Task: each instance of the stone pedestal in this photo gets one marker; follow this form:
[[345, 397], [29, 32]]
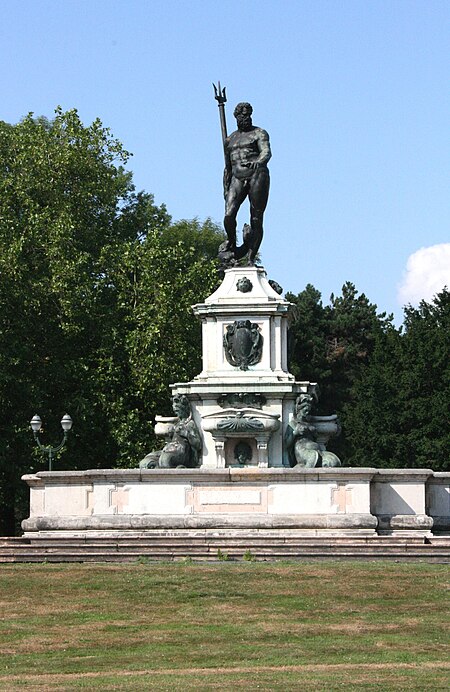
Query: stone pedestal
[[245, 392], [315, 502], [398, 499], [311, 502], [437, 501]]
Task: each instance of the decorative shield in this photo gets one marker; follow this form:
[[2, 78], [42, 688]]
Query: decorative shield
[[243, 344]]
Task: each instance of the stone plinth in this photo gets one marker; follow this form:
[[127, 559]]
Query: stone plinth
[[244, 297], [398, 499], [260, 305], [438, 501], [340, 502]]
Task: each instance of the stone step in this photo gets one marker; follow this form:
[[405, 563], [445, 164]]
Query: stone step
[[166, 547], [197, 550], [149, 539], [145, 543], [72, 549], [212, 557], [440, 540]]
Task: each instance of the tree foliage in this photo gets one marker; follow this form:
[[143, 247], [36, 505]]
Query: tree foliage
[[390, 387], [95, 288], [425, 384]]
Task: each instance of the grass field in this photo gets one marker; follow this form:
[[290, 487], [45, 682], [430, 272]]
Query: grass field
[[244, 626]]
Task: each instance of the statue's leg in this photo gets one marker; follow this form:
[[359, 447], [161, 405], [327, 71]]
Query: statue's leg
[[236, 195], [305, 455], [258, 195], [330, 460], [150, 461]]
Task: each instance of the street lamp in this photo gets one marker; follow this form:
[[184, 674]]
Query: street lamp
[[36, 425]]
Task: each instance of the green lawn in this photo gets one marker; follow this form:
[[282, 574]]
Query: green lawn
[[247, 626]]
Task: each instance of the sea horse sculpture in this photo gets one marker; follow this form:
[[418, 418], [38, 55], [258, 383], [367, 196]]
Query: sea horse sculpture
[[301, 438], [185, 444]]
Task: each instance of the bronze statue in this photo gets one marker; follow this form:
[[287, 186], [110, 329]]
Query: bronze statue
[[247, 152], [185, 444], [303, 448]]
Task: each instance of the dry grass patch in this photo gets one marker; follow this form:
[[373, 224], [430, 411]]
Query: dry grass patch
[[309, 677], [223, 626]]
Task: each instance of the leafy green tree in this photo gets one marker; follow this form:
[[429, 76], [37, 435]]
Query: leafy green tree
[[399, 412], [373, 429], [308, 333], [332, 342], [159, 279], [353, 327], [333, 345], [82, 257], [60, 197], [424, 404]]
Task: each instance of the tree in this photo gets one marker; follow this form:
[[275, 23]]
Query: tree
[[333, 344], [60, 196], [372, 426], [159, 279], [81, 259], [308, 336], [424, 412], [399, 413]]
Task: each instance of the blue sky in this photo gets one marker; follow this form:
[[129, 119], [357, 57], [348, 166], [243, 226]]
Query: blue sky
[[354, 94]]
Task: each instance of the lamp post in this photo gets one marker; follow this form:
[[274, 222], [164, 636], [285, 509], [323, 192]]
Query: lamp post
[[36, 425]]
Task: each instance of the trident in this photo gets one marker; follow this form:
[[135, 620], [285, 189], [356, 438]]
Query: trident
[[221, 98]]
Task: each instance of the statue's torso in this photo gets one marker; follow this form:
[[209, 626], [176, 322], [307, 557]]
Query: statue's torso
[[243, 149]]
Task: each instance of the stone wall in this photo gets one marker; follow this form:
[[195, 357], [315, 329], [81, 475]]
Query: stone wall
[[342, 501]]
